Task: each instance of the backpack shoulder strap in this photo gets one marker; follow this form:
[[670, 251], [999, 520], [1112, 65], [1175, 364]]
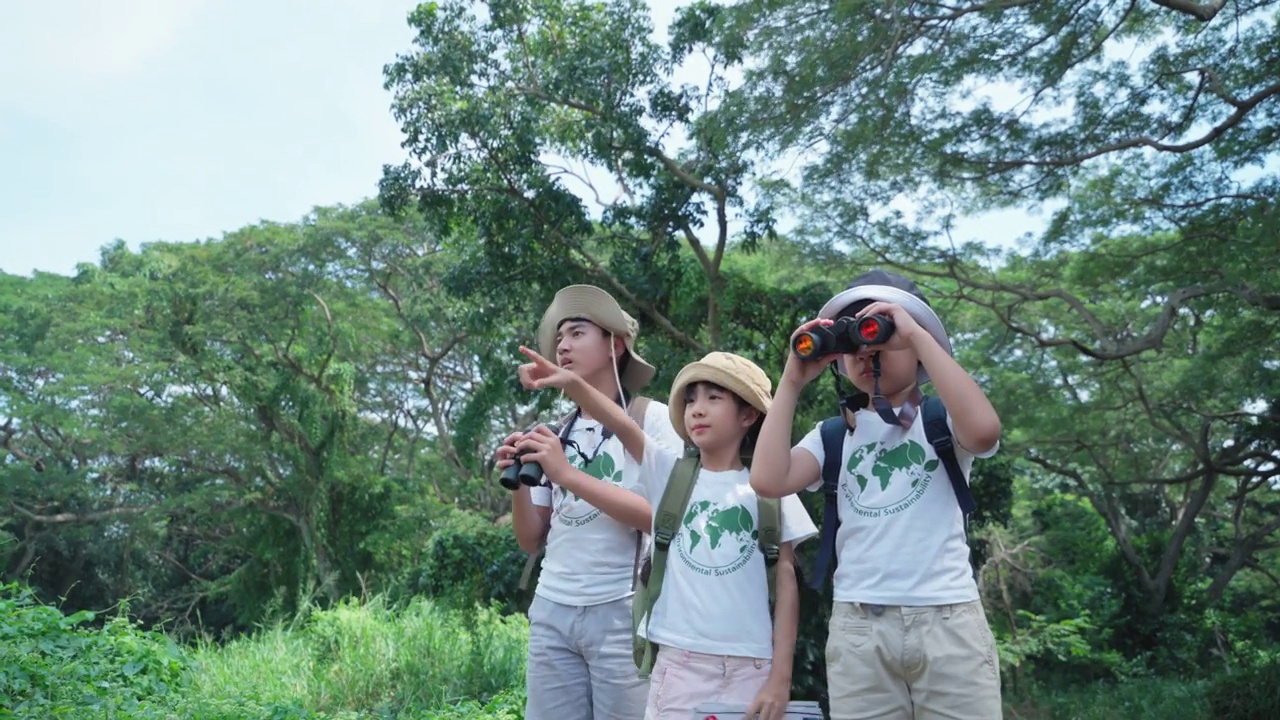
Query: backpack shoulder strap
[[939, 436], [832, 430], [637, 408], [666, 521], [770, 512]]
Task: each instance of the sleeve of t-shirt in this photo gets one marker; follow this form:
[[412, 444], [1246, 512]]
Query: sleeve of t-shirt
[[657, 425], [662, 447], [797, 526], [812, 444], [655, 469], [540, 496]]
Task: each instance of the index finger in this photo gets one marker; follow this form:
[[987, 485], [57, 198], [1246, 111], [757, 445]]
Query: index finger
[[536, 357]]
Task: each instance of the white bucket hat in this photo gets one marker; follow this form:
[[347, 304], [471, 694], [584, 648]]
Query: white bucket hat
[[893, 288]]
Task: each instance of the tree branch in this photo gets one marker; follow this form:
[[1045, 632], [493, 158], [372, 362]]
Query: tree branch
[[67, 517]]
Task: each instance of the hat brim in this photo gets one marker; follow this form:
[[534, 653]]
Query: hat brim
[[704, 372], [917, 308], [588, 302]]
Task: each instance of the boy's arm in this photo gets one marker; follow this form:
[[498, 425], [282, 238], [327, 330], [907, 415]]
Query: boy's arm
[[530, 522], [777, 469], [619, 503], [973, 419], [771, 701]]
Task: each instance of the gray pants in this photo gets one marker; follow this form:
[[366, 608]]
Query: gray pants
[[580, 663]]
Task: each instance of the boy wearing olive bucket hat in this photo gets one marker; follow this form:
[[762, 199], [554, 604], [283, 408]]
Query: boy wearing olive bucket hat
[[589, 517], [908, 635], [711, 615]]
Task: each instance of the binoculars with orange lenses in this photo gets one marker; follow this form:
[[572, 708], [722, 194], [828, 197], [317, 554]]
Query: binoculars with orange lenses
[[846, 335]]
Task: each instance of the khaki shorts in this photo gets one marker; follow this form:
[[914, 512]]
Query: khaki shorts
[[912, 663]]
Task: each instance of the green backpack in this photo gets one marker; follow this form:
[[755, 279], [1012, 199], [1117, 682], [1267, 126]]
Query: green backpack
[[671, 509]]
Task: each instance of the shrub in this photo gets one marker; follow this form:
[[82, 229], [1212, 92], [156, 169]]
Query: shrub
[[56, 666], [470, 561], [1251, 693]]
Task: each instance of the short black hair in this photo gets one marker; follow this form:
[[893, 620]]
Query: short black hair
[[853, 308]]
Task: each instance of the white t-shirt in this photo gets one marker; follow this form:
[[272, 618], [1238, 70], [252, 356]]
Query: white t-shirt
[[715, 591], [590, 557], [901, 539]]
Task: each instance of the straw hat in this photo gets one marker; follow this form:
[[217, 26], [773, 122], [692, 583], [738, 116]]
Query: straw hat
[[732, 372]]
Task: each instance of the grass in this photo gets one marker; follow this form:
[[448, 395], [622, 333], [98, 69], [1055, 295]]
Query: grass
[[363, 661], [369, 661], [1140, 699]]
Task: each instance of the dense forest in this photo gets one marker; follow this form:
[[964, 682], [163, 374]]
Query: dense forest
[[296, 420]]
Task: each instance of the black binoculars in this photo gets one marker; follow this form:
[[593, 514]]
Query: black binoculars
[[527, 473], [847, 335]]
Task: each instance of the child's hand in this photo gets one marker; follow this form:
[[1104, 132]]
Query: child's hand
[[799, 370], [542, 373], [506, 452], [905, 327], [544, 448], [771, 702]]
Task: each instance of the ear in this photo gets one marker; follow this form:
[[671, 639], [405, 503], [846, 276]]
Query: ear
[[619, 346], [748, 416]]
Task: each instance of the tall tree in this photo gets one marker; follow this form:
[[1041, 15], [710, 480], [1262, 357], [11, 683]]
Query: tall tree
[[515, 110]]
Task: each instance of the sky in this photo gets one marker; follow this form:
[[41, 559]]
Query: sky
[[180, 120], [183, 119]]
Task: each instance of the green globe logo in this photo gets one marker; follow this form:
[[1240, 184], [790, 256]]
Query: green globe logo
[[714, 537]]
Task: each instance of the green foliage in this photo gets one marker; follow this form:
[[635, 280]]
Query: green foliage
[[1249, 693], [507, 705], [1137, 699], [363, 660], [470, 561], [58, 666]]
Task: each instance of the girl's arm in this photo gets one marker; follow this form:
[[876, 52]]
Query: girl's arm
[[771, 701], [542, 373]]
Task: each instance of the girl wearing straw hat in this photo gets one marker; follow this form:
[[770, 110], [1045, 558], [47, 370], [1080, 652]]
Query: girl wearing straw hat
[[712, 619]]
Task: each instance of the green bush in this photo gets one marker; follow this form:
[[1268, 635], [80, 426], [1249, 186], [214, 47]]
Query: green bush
[[470, 561], [1251, 693], [56, 666]]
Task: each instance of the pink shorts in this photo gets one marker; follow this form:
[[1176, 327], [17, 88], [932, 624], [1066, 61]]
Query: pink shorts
[[682, 679]]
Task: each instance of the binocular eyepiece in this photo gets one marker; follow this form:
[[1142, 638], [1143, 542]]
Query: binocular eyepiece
[[847, 335], [527, 473]]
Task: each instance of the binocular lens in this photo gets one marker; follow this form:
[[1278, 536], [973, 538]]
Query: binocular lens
[[805, 345]]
